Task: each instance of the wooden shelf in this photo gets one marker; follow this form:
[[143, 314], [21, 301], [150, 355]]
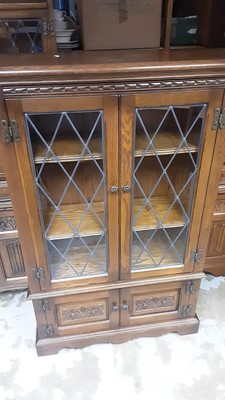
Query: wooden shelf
[[69, 149], [147, 220], [23, 5], [77, 257], [166, 143], [90, 225], [157, 249]]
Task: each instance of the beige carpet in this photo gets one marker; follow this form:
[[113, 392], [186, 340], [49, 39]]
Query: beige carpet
[[170, 367]]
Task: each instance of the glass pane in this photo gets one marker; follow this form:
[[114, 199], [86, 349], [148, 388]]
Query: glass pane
[[20, 36], [68, 153], [167, 145]]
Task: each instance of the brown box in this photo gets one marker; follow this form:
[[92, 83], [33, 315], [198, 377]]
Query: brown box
[[119, 24]]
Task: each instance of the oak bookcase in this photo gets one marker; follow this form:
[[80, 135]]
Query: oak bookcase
[[113, 161]]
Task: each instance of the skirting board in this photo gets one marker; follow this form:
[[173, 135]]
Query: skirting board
[[52, 345]]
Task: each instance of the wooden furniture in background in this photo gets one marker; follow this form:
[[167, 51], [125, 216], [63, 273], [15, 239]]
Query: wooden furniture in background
[[26, 27], [215, 257], [12, 270]]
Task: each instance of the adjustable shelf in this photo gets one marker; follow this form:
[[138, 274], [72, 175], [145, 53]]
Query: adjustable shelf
[[157, 253], [166, 143], [78, 261], [91, 225], [67, 149], [73, 213], [146, 220]]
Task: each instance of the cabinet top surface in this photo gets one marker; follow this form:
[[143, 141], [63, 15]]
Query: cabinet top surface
[[113, 64]]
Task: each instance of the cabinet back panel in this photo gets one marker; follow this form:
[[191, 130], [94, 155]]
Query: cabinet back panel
[[149, 173], [87, 178]]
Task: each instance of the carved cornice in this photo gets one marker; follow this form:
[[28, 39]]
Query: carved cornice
[[113, 87], [7, 224]]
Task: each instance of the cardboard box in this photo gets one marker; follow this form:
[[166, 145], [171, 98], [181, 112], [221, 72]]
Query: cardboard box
[[184, 30], [119, 24]]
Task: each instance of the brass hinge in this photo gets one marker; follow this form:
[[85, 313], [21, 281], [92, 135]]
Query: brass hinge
[[187, 310], [44, 305], [48, 27], [10, 131], [47, 330], [218, 119], [222, 119], [38, 274], [195, 256], [190, 287]]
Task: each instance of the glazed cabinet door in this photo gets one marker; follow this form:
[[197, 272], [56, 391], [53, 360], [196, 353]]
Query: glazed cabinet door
[[68, 162], [26, 27], [167, 143]]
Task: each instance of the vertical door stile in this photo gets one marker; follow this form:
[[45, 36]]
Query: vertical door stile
[[30, 233], [197, 230], [215, 174], [11, 171], [126, 168], [114, 310], [111, 167]]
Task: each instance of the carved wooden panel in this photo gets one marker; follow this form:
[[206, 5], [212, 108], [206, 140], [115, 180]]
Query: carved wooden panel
[[76, 313], [5, 205], [155, 302], [2, 271], [5, 201], [1, 171], [219, 207], [4, 191], [7, 224], [217, 240], [12, 258], [222, 181]]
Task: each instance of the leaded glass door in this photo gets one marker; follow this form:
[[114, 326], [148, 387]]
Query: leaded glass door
[[28, 32], [164, 185], [70, 143], [21, 35]]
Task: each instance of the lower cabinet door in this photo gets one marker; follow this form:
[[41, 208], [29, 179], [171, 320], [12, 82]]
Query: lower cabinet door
[[158, 303], [84, 313]]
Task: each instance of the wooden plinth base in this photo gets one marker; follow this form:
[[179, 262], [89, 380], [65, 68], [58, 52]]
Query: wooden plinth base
[[215, 270], [52, 345]]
